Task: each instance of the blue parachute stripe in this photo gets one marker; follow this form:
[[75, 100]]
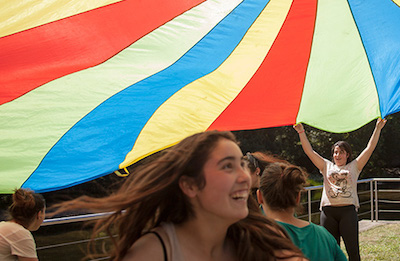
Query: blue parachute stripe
[[99, 142], [379, 26]]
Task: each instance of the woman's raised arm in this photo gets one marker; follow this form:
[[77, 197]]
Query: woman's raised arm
[[316, 159], [364, 156]]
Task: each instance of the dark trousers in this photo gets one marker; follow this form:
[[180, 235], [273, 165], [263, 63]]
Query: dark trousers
[[343, 221]]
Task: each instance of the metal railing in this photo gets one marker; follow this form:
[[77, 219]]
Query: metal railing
[[73, 219], [373, 200], [391, 201], [370, 194]]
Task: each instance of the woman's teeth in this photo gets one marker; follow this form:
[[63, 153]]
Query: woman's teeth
[[242, 195]]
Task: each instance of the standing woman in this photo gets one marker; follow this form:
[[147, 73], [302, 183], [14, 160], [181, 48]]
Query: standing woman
[[27, 214], [339, 202], [189, 204]]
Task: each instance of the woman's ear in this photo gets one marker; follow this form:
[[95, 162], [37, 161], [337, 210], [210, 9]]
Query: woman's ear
[[259, 197], [188, 186], [41, 214], [258, 170]]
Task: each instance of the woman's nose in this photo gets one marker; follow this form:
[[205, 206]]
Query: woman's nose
[[244, 175]]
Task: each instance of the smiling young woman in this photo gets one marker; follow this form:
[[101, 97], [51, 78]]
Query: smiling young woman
[[339, 202], [189, 204]]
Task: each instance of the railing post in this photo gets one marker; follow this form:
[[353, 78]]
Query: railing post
[[371, 199], [309, 204], [376, 201]]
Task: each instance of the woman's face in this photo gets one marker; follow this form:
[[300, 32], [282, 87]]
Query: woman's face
[[227, 184], [340, 156]]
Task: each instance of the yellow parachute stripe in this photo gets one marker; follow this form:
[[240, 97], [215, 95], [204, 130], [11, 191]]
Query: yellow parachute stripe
[[197, 105], [17, 16], [89, 88]]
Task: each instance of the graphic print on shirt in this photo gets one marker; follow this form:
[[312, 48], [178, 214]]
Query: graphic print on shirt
[[340, 184]]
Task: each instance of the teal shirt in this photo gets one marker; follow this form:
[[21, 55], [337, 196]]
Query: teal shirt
[[315, 242]]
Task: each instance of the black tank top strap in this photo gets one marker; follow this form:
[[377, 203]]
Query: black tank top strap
[[162, 243]]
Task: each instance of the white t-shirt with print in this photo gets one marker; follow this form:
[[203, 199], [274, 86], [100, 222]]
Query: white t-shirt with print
[[340, 184]]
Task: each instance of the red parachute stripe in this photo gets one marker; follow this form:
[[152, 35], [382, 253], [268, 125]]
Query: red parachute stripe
[[41, 54], [280, 78]]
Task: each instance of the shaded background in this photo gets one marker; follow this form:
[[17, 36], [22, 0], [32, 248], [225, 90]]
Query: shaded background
[[281, 141]]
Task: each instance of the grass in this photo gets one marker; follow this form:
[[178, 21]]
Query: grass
[[380, 243]]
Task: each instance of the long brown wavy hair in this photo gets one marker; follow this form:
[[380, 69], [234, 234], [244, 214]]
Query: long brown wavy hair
[[151, 195]]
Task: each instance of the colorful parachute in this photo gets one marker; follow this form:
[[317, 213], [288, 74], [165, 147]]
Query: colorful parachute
[[90, 87]]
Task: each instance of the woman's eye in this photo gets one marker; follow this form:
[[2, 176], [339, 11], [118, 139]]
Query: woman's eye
[[227, 166]]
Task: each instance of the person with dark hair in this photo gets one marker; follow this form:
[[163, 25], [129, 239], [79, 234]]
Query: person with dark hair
[[280, 190], [257, 161], [27, 214], [190, 203], [339, 201]]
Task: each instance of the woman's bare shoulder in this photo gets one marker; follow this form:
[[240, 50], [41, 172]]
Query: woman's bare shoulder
[[148, 247]]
